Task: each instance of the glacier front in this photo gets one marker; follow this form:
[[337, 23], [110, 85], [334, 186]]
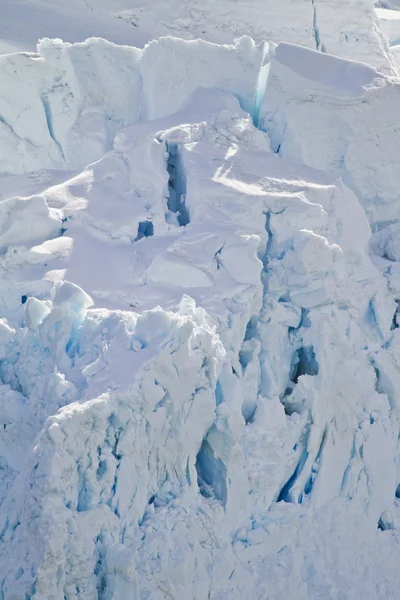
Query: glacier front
[[199, 353]]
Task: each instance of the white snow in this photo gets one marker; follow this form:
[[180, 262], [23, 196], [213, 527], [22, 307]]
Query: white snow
[[339, 116], [346, 28], [199, 334]]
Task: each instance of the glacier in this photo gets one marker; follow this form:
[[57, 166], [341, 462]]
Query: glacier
[[199, 328]]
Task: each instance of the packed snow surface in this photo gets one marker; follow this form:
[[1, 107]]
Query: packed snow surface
[[199, 309], [347, 28]]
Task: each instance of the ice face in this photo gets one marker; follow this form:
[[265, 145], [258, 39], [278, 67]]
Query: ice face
[[199, 359]]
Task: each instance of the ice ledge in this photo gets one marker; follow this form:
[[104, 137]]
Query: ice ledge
[[341, 75]]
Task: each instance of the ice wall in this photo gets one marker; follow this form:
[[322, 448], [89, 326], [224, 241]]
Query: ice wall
[[241, 440], [67, 103], [190, 452], [73, 99]]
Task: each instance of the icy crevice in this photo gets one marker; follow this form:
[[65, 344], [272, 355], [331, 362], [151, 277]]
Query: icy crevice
[[261, 89], [100, 570], [266, 257], [49, 121], [253, 335], [176, 185], [145, 229], [211, 473], [84, 494], [385, 522], [304, 363], [396, 315], [300, 484], [286, 494], [316, 32]]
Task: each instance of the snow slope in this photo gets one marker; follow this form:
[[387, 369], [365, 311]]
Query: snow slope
[[199, 346]]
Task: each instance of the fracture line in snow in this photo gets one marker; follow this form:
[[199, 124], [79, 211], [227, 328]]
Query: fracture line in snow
[[318, 44], [49, 121]]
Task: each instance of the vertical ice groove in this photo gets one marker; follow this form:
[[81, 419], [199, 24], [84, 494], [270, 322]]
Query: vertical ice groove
[[316, 32], [177, 184], [211, 473], [261, 89], [49, 121], [145, 229]]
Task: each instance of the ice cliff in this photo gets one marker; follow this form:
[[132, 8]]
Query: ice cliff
[[199, 353]]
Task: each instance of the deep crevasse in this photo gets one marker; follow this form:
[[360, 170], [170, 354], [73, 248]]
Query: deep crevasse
[[242, 440]]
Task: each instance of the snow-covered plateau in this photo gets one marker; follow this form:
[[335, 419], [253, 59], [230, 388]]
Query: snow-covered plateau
[[199, 300]]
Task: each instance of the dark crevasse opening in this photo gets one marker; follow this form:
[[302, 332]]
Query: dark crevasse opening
[[211, 474], [316, 33], [145, 229], [248, 354], [316, 466], [396, 316], [304, 363], [398, 492], [177, 185], [249, 412], [251, 328], [385, 521], [285, 493], [100, 571]]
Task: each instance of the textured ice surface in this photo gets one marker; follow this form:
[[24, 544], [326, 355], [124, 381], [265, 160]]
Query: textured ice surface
[[68, 103], [339, 116], [199, 355]]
